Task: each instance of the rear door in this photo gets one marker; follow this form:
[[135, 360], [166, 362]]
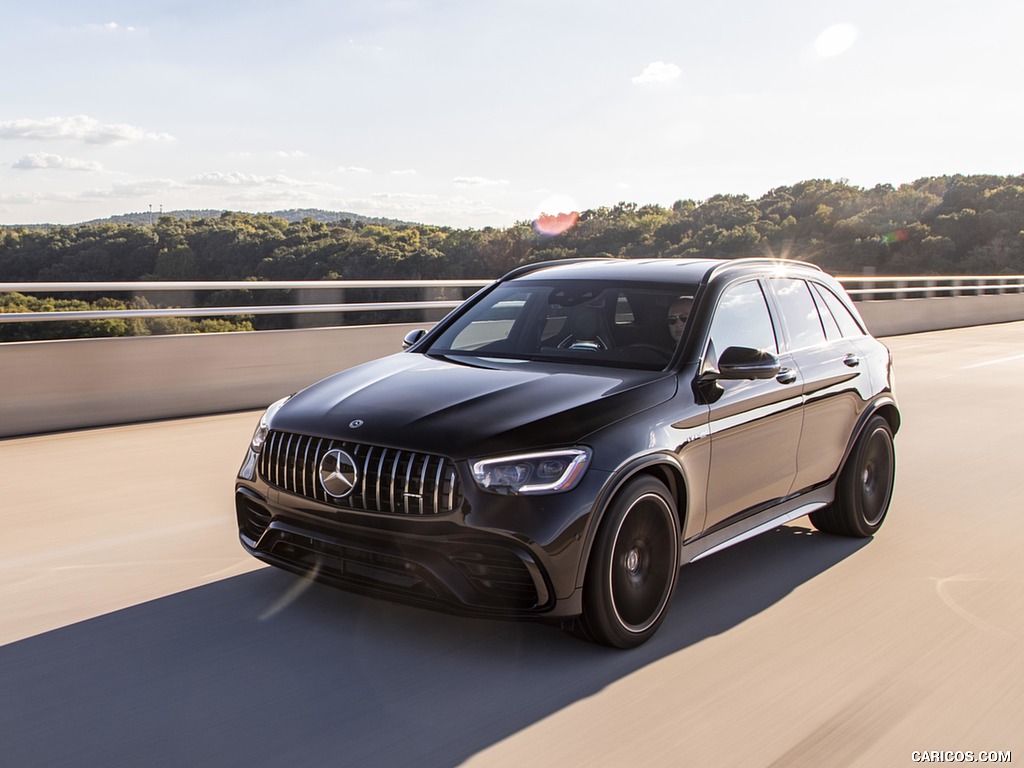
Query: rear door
[[833, 372]]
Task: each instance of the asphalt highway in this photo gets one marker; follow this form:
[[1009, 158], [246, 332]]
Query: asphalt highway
[[135, 632]]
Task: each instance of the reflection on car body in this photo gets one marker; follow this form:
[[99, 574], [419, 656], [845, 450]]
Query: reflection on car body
[[549, 451]]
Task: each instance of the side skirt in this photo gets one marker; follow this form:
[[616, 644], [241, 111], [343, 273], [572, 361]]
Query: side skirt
[[757, 524]]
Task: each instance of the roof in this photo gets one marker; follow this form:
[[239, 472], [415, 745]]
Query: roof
[[651, 270]]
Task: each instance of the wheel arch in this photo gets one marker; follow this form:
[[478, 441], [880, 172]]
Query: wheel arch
[[882, 406], [888, 410], [662, 467]]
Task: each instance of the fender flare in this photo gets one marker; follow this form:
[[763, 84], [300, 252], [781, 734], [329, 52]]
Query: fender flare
[[677, 487], [884, 405]]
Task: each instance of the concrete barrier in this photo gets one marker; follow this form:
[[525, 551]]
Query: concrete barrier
[[48, 386], [898, 317]]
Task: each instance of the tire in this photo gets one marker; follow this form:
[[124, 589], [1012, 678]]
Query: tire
[[865, 485], [633, 567]]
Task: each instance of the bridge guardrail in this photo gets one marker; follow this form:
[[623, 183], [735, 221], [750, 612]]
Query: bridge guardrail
[[50, 386], [860, 288]]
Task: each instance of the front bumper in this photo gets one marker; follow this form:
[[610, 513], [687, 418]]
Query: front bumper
[[494, 556]]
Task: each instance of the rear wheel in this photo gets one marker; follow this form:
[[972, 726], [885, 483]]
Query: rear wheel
[[632, 571], [865, 485]]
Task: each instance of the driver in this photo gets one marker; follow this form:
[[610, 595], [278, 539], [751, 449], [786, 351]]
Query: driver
[[677, 316]]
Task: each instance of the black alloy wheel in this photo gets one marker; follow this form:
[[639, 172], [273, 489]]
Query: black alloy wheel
[[865, 485], [633, 567]]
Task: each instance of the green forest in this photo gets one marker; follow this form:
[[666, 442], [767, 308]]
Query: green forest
[[936, 225]]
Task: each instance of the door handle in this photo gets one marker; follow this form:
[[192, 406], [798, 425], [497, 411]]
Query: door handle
[[851, 361], [786, 376]]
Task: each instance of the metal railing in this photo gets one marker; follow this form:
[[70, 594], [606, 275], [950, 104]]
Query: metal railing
[[140, 288], [860, 288], [893, 287]]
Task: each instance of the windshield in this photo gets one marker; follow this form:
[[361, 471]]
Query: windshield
[[589, 322]]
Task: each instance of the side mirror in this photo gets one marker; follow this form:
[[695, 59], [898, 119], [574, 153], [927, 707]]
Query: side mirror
[[412, 337], [745, 363]]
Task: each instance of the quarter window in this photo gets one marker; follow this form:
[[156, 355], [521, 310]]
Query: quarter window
[[847, 322], [832, 332]]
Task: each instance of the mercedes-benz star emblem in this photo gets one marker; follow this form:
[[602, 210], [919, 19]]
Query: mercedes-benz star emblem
[[338, 473]]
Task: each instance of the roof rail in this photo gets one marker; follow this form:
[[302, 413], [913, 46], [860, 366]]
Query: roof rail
[[525, 269], [760, 261]]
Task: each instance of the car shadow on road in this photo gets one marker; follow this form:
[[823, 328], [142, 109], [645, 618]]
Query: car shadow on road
[[267, 670]]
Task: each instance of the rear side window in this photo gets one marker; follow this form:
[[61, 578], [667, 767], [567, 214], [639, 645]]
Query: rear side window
[[799, 312], [847, 323], [832, 332]]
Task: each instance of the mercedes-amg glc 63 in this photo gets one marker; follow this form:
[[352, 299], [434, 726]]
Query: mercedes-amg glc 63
[[564, 441]]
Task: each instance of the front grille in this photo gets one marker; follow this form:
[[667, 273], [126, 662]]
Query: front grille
[[390, 481]]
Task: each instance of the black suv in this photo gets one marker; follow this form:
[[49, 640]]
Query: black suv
[[559, 445]]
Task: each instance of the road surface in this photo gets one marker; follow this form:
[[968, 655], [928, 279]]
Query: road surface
[[135, 632]]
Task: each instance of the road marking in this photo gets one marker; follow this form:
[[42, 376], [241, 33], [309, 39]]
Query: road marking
[[995, 361]]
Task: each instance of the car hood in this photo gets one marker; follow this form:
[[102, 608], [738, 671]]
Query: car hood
[[440, 406]]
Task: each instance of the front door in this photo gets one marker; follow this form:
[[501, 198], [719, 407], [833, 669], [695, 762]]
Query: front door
[[755, 424]]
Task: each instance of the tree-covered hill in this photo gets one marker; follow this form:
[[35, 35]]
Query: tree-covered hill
[[938, 225], [143, 218]]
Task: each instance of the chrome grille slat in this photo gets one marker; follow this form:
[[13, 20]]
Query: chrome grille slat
[[402, 485], [293, 457], [380, 476], [408, 481], [394, 472], [305, 466], [423, 485], [277, 464], [437, 485], [366, 473], [318, 492]]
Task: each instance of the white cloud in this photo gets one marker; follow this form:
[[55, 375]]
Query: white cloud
[[406, 172], [78, 128], [44, 160], [354, 169], [111, 27], [835, 40], [423, 207], [479, 181], [21, 198], [293, 153], [235, 179], [658, 73], [138, 188]]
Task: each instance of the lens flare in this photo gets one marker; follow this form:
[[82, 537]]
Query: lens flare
[[555, 224], [895, 237]]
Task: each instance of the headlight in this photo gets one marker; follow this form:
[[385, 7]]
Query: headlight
[[259, 437], [525, 473]]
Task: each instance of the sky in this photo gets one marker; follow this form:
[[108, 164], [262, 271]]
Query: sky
[[475, 113]]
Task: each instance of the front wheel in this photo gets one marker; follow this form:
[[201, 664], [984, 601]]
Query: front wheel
[[865, 485], [632, 571]]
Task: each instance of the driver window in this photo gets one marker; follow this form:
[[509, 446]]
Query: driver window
[[742, 320]]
